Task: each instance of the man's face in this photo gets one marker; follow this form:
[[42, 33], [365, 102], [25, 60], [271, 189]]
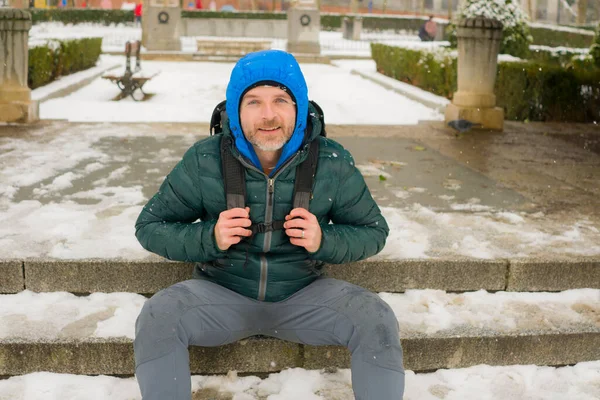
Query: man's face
[[268, 116]]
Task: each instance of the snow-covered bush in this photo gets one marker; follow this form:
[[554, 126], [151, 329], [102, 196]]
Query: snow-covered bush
[[515, 39]]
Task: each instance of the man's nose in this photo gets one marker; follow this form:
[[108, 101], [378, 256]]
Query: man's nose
[[268, 111]]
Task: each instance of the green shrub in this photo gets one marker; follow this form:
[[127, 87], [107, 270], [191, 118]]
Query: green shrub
[[561, 56], [331, 22], [78, 16], [233, 15], [76, 55], [41, 65], [548, 93], [431, 71], [61, 57], [555, 38], [527, 91]]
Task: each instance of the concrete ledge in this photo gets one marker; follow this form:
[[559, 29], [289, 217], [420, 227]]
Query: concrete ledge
[[147, 277], [534, 275], [449, 275], [11, 276], [256, 355], [89, 276], [412, 92], [75, 86], [426, 354]]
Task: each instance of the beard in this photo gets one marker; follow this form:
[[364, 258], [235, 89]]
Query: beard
[[270, 141]]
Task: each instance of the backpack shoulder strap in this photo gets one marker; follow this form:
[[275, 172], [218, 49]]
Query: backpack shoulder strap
[[305, 176], [233, 176]]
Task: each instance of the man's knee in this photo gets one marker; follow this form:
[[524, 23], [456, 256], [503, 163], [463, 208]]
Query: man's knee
[[376, 330], [156, 328]]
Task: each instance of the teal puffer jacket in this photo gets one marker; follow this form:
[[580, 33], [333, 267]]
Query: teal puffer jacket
[[178, 222]]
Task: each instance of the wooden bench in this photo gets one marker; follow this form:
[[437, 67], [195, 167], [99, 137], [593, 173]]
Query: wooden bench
[[132, 82], [231, 47]]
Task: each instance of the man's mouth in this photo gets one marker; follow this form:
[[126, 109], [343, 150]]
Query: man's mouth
[[268, 129]]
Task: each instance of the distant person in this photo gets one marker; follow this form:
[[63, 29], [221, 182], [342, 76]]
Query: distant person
[[137, 12], [105, 4], [370, 6], [428, 31], [212, 6], [199, 5]]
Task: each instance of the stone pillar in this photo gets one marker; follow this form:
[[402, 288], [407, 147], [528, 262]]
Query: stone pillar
[[478, 47], [15, 96], [352, 28], [161, 25], [304, 25]]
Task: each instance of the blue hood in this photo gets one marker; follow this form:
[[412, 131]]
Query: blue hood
[[269, 65]]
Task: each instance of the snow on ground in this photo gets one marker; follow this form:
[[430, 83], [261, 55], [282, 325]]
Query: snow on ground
[[64, 196], [35, 316], [480, 382], [188, 92], [483, 232]]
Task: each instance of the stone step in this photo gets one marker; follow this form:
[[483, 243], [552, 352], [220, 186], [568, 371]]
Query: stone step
[[149, 276], [64, 333]]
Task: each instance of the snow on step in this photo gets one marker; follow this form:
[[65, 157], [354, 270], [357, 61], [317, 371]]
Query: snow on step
[[474, 383], [33, 316]]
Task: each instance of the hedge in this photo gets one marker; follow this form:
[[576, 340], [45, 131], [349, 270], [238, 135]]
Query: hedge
[[527, 91], [562, 56], [233, 15], [555, 38], [61, 57], [78, 16]]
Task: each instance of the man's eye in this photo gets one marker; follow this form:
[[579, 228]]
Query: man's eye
[[281, 100], [251, 102]]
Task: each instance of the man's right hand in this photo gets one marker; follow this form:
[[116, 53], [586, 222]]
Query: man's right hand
[[231, 227]]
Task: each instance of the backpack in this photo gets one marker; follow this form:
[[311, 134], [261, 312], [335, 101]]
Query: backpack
[[235, 180]]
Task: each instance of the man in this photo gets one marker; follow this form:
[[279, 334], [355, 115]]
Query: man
[[267, 283], [137, 12], [428, 30]]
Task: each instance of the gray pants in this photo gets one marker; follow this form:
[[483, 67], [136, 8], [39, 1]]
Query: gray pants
[[326, 312]]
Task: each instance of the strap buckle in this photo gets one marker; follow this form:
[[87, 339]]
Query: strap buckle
[[262, 227]]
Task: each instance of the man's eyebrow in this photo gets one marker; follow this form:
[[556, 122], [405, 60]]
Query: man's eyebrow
[[254, 96]]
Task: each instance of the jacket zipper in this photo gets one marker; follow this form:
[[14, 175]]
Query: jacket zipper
[[264, 264]]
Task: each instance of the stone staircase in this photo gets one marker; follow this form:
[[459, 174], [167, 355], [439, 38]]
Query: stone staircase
[[536, 338]]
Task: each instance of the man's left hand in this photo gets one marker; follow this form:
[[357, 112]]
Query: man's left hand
[[303, 229]]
